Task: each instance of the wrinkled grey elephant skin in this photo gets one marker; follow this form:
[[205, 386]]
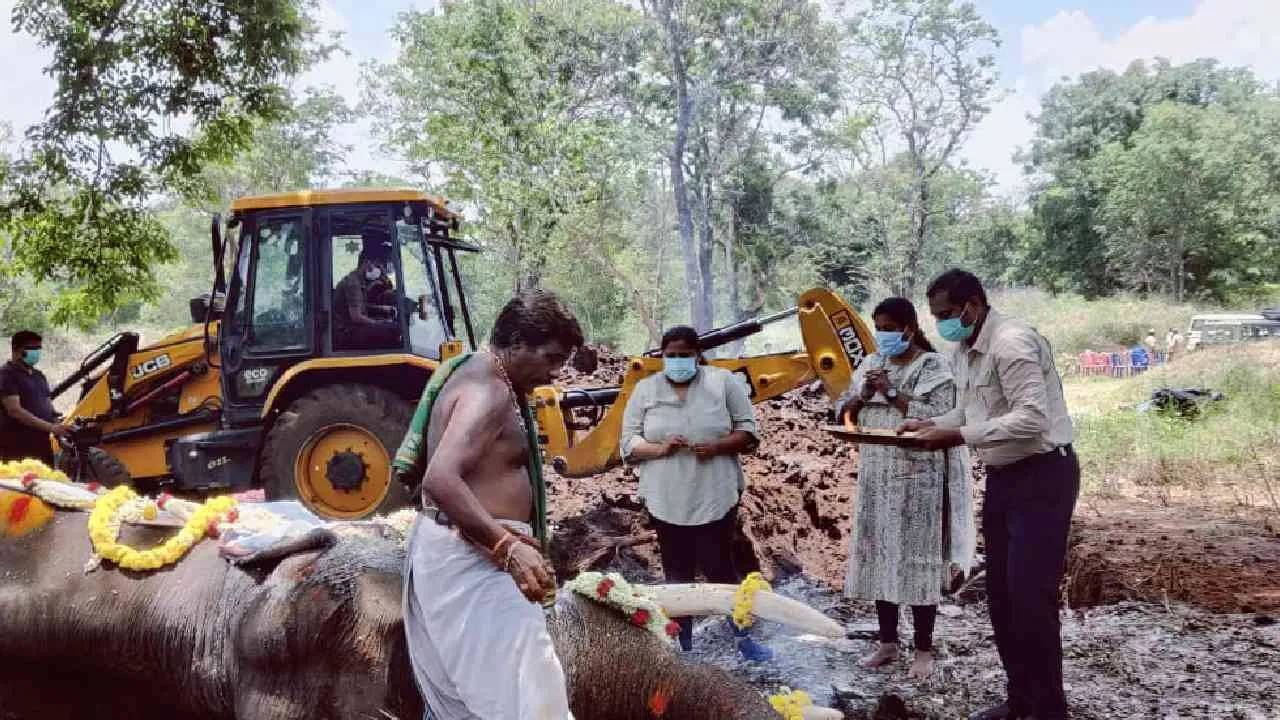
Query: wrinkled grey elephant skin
[[317, 635]]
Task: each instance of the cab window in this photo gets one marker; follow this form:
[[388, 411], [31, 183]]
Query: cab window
[[276, 289], [427, 328], [366, 296]]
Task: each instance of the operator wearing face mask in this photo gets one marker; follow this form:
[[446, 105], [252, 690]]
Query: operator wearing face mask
[[913, 518], [684, 429], [28, 417], [361, 318]]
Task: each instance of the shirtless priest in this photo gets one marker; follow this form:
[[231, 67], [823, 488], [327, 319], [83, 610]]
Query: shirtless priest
[[476, 570]]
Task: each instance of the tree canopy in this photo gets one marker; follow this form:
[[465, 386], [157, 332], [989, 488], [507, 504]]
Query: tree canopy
[[655, 163], [148, 92]]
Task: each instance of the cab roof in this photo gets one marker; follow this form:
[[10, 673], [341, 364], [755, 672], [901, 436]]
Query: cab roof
[[1230, 317], [339, 196]]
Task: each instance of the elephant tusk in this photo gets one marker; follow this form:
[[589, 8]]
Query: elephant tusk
[[814, 712], [687, 599]]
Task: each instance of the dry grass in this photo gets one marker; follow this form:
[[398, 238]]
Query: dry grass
[[1073, 324], [1230, 453]]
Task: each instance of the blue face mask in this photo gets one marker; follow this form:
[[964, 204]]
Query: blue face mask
[[891, 343], [31, 357], [680, 370], [953, 329]]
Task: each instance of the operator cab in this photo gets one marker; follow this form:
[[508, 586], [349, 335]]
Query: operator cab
[[335, 273]]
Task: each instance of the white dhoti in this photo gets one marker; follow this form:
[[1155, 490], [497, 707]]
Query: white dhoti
[[479, 649]]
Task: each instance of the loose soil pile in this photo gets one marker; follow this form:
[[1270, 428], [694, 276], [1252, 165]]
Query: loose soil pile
[[1129, 550]]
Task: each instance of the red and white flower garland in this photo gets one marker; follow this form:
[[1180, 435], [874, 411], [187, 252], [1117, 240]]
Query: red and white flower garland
[[613, 590]]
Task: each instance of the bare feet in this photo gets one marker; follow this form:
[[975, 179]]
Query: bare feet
[[885, 654], [921, 665]]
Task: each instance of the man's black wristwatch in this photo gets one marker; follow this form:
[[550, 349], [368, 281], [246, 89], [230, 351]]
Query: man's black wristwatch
[[891, 394]]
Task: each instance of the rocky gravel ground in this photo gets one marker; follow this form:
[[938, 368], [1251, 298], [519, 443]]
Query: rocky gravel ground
[[1128, 660]]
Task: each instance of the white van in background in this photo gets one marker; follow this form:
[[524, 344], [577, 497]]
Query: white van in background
[[1230, 328]]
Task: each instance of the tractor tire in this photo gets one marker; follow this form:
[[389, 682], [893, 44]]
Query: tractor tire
[[332, 450], [102, 468]]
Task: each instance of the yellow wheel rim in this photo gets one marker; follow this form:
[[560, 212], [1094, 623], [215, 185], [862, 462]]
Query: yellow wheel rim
[[342, 471]]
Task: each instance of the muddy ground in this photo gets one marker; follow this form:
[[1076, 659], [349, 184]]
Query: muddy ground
[[1170, 612]]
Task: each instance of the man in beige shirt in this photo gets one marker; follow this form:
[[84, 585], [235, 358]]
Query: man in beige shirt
[[1010, 409]]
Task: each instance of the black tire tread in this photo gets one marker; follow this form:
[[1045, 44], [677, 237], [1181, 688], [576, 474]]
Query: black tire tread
[[104, 468]]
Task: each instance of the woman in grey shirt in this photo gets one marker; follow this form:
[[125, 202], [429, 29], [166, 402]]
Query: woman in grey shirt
[[683, 429]]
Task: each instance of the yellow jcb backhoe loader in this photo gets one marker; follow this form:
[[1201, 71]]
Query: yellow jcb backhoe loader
[[275, 383]]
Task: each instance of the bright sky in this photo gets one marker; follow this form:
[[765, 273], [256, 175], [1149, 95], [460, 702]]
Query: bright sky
[[1043, 40]]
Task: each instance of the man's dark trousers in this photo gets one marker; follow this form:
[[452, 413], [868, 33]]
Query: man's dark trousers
[[1026, 517]]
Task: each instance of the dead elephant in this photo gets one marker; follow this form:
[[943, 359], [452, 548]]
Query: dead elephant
[[316, 634]]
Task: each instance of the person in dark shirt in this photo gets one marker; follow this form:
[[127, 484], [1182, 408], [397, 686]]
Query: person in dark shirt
[[363, 310], [28, 417]]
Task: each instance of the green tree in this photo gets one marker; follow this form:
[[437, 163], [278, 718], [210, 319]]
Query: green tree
[[77, 207], [1077, 120], [866, 226], [299, 149], [924, 73], [510, 105], [1187, 201], [737, 81]]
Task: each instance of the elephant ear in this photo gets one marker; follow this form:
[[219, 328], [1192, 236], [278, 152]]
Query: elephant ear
[[265, 559]]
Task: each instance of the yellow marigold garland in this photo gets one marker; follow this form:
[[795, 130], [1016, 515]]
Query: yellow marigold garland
[[744, 599], [16, 469], [110, 511], [790, 704]]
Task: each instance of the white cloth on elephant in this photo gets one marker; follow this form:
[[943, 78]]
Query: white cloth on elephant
[[479, 649]]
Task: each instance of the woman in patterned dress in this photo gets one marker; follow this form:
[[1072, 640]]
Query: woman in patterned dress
[[913, 517]]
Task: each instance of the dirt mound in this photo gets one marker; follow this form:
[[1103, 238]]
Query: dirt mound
[[1128, 550]]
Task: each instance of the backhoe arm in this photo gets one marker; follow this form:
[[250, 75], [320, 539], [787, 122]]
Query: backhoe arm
[[835, 339]]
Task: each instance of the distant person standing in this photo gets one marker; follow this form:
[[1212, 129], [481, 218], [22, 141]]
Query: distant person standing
[[28, 418], [1010, 408], [1177, 343], [1149, 342]]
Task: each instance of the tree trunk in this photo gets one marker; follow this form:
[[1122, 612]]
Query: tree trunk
[[1180, 265], [731, 279], [706, 254], [684, 213], [919, 234]]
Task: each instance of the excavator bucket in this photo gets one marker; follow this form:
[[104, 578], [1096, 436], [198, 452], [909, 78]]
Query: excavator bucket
[[836, 338]]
